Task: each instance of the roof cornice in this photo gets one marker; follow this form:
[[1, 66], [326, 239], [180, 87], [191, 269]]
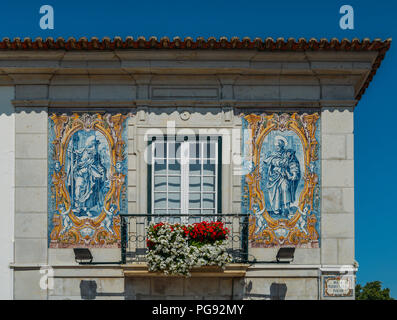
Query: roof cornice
[[222, 44]]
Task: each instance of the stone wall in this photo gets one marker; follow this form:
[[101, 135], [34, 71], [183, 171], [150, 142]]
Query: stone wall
[[7, 189], [337, 187], [89, 284], [30, 201]]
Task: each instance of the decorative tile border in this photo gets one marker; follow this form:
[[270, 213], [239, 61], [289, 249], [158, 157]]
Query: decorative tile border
[[281, 186], [87, 179]]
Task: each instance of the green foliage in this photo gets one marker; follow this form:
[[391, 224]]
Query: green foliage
[[372, 291]]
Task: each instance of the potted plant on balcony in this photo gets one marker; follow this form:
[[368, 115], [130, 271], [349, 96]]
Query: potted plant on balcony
[[175, 249]]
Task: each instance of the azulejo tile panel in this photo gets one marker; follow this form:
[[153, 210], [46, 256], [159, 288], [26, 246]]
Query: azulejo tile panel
[[281, 179], [87, 179]]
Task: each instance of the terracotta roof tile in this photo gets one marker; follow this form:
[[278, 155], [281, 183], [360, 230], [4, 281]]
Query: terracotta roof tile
[[200, 43]]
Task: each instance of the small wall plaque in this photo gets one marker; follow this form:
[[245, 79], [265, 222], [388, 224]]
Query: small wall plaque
[[338, 286]]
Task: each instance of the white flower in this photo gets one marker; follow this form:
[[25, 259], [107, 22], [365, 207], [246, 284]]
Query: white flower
[[173, 255]]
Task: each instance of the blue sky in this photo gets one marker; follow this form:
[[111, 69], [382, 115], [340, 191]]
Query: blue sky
[[375, 125]]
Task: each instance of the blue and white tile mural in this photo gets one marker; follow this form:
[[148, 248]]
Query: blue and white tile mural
[[281, 185], [87, 179], [87, 164]]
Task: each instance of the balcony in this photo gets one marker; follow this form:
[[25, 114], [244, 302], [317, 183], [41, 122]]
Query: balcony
[[134, 246]]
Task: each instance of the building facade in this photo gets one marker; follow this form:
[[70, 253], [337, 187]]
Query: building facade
[[103, 136]]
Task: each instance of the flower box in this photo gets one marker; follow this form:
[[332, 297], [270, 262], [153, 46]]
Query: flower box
[[176, 249]]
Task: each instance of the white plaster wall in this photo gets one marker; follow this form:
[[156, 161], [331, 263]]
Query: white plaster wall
[[7, 188]]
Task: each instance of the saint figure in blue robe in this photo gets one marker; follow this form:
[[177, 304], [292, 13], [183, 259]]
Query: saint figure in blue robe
[[283, 175], [86, 175]]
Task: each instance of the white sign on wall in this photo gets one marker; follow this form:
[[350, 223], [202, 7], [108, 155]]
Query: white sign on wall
[[338, 286]]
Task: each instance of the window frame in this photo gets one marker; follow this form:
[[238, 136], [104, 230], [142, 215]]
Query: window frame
[[218, 175]]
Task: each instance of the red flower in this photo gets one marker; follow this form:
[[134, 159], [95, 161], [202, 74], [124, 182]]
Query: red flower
[[149, 244]]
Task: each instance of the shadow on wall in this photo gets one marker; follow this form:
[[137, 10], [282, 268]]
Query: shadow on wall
[[88, 291], [278, 291]]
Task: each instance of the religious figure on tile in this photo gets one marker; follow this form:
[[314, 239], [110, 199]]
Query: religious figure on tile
[[283, 177], [86, 173]]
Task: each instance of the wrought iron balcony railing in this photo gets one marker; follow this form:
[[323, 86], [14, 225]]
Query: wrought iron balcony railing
[[133, 233]]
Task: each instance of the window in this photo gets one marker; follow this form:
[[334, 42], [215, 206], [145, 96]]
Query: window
[[185, 175]]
